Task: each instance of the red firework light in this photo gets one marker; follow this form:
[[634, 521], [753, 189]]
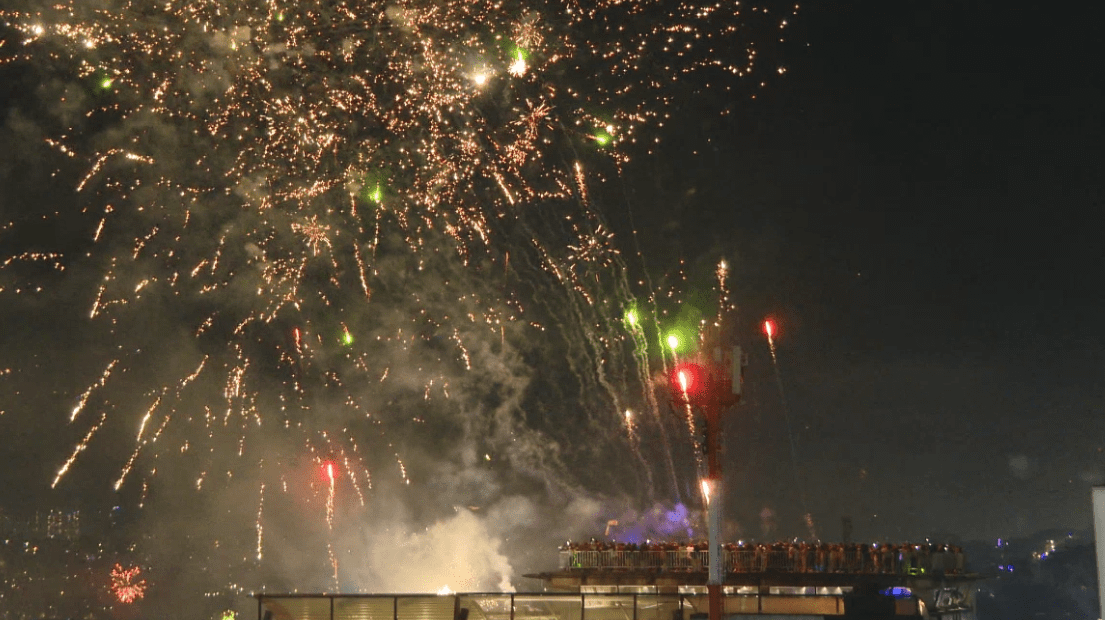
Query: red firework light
[[769, 328], [688, 380], [127, 584], [329, 472]]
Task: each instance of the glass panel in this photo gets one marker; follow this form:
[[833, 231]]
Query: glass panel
[[695, 605], [426, 607], [742, 604], [364, 608], [554, 607], [296, 608], [801, 600], [487, 607], [802, 605], [608, 607], [658, 608]]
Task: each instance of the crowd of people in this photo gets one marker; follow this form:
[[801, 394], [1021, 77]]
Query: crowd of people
[[747, 557]]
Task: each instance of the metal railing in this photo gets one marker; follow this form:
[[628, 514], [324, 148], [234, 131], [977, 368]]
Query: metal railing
[[762, 559], [540, 606]]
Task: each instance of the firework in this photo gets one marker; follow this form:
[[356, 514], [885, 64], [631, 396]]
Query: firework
[[127, 584], [770, 330], [328, 196]]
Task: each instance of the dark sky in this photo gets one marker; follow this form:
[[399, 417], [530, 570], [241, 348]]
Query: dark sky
[[917, 201]]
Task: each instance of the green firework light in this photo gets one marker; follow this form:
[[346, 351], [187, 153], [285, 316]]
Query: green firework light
[[511, 48], [372, 191], [631, 318], [673, 342], [681, 339], [371, 186], [603, 132], [347, 338]]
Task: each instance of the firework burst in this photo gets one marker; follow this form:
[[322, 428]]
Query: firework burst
[[127, 584], [347, 212]]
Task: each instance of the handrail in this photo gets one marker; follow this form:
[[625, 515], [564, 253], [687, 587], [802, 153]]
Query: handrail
[[519, 606], [790, 558]]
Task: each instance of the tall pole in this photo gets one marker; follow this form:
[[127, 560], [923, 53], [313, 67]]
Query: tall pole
[[723, 391], [714, 503], [712, 384], [1098, 497]]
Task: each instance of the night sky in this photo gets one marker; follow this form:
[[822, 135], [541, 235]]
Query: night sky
[[915, 202]]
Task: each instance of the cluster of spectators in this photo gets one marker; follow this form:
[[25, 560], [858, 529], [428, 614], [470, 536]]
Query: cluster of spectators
[[746, 557]]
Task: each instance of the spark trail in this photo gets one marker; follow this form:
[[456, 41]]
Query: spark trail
[[330, 493], [769, 331]]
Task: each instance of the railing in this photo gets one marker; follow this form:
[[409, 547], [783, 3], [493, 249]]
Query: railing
[[762, 559], [542, 606]]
